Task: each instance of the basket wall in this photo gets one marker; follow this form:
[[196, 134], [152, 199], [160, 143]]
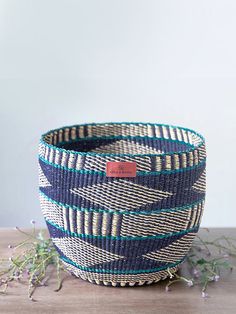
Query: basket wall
[[122, 231]]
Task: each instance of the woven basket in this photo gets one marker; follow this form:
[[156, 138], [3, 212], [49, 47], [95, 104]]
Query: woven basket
[[122, 201]]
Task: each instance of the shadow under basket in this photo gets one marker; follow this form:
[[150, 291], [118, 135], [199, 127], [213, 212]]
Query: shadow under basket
[[122, 201]]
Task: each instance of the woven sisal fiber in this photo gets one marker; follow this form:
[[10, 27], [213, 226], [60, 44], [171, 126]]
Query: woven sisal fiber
[[122, 231]]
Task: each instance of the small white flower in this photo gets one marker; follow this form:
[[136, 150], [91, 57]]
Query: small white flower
[[167, 289], [190, 283], [216, 277], [204, 294]]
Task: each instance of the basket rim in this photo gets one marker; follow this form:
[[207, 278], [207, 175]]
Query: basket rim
[[69, 151]]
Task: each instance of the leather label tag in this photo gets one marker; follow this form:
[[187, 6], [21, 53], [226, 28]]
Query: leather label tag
[[121, 169]]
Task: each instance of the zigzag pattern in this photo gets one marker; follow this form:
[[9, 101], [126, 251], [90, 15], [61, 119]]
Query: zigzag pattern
[[95, 255], [83, 253]]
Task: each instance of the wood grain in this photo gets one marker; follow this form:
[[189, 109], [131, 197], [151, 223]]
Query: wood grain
[[78, 296]]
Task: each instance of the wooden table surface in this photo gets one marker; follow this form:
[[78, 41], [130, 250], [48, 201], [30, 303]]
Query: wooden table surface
[[78, 296]]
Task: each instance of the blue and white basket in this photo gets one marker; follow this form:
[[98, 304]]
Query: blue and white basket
[[122, 231]]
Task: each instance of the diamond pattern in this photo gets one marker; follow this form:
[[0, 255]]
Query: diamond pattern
[[120, 194]]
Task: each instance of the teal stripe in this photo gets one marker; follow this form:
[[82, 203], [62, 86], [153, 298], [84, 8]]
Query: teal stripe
[[114, 271], [159, 236], [123, 137], [139, 173], [122, 212]]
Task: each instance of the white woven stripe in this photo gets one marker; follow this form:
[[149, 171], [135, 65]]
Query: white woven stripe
[[190, 137], [185, 137], [114, 226], [95, 223], [79, 219], [158, 163], [172, 133], [47, 151], [66, 134], [86, 222], [150, 131], [72, 225], [57, 157], [179, 134], [168, 162], [81, 131], [104, 224], [83, 253], [63, 159], [173, 252], [60, 135], [51, 155], [176, 161], [157, 131], [165, 132], [71, 160], [184, 160], [120, 194], [73, 133], [190, 157]]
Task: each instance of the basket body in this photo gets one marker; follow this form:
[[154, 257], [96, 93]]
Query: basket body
[[122, 231]]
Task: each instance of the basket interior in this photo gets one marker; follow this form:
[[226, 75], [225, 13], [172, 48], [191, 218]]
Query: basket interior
[[123, 139]]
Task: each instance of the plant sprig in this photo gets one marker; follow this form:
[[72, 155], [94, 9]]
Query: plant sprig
[[206, 262], [29, 261]]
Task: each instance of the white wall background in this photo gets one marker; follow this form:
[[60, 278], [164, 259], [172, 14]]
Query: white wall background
[[67, 62]]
